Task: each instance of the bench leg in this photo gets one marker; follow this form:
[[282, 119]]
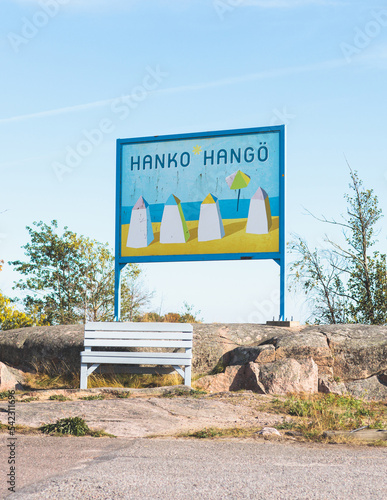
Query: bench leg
[[187, 375], [83, 376]]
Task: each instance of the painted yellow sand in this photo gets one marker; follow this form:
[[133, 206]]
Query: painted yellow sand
[[235, 241]]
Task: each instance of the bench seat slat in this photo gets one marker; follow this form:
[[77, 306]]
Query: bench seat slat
[[145, 327], [86, 355], [176, 344], [138, 335], [138, 343], [167, 360]]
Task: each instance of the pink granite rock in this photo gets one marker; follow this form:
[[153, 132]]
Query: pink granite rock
[[289, 375], [9, 378]]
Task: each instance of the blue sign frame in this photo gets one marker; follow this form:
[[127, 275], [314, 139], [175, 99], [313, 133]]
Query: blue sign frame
[[161, 141]]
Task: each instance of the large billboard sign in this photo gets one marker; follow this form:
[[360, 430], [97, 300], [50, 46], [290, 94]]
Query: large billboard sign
[[204, 196]]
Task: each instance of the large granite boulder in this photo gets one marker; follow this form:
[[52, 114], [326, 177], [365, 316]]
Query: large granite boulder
[[278, 377], [213, 342], [349, 358], [234, 378], [289, 375], [10, 378], [49, 349], [358, 351]]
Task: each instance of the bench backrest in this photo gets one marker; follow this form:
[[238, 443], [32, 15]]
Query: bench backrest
[[120, 334]]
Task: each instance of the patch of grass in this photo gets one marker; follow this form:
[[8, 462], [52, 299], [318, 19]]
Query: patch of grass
[[133, 381], [286, 425], [195, 393], [197, 376], [211, 432], [96, 397], [46, 381], [121, 395], [72, 426], [100, 433], [20, 429], [46, 377], [28, 400], [314, 414], [220, 367], [58, 397], [4, 395], [380, 442], [216, 432]]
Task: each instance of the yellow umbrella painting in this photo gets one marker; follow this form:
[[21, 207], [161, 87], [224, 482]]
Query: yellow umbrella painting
[[238, 180]]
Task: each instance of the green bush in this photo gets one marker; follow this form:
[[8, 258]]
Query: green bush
[[74, 426]]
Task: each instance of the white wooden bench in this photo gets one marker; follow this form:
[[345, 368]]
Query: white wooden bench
[[172, 337]]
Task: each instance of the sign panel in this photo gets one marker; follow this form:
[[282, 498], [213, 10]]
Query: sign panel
[[205, 196]]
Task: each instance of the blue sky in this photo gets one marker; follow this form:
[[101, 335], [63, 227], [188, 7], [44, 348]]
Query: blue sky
[[78, 74]]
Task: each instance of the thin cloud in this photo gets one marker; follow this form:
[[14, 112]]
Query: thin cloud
[[291, 4], [85, 4], [375, 57], [262, 75], [267, 4], [57, 111]]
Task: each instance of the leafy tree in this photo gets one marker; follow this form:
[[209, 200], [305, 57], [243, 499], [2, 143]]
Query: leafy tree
[[52, 273], [188, 315], [10, 317], [320, 281], [152, 317], [351, 285], [134, 297], [70, 278]]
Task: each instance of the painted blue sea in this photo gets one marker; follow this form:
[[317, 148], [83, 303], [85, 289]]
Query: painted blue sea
[[191, 210]]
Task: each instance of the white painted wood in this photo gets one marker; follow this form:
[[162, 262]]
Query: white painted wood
[[138, 335], [92, 368], [187, 376], [131, 360], [135, 326], [138, 361], [140, 369], [179, 370], [83, 377], [176, 344], [140, 354]]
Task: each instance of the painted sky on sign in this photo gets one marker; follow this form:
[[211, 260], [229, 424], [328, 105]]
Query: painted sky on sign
[[193, 182]]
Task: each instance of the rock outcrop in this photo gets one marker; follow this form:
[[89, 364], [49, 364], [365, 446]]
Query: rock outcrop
[[10, 378], [326, 358], [50, 349], [343, 359], [278, 377]]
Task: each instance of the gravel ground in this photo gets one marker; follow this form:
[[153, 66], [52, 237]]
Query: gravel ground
[[197, 469]]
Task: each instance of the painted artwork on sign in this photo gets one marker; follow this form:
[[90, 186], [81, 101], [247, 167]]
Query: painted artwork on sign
[[210, 220], [200, 195]]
